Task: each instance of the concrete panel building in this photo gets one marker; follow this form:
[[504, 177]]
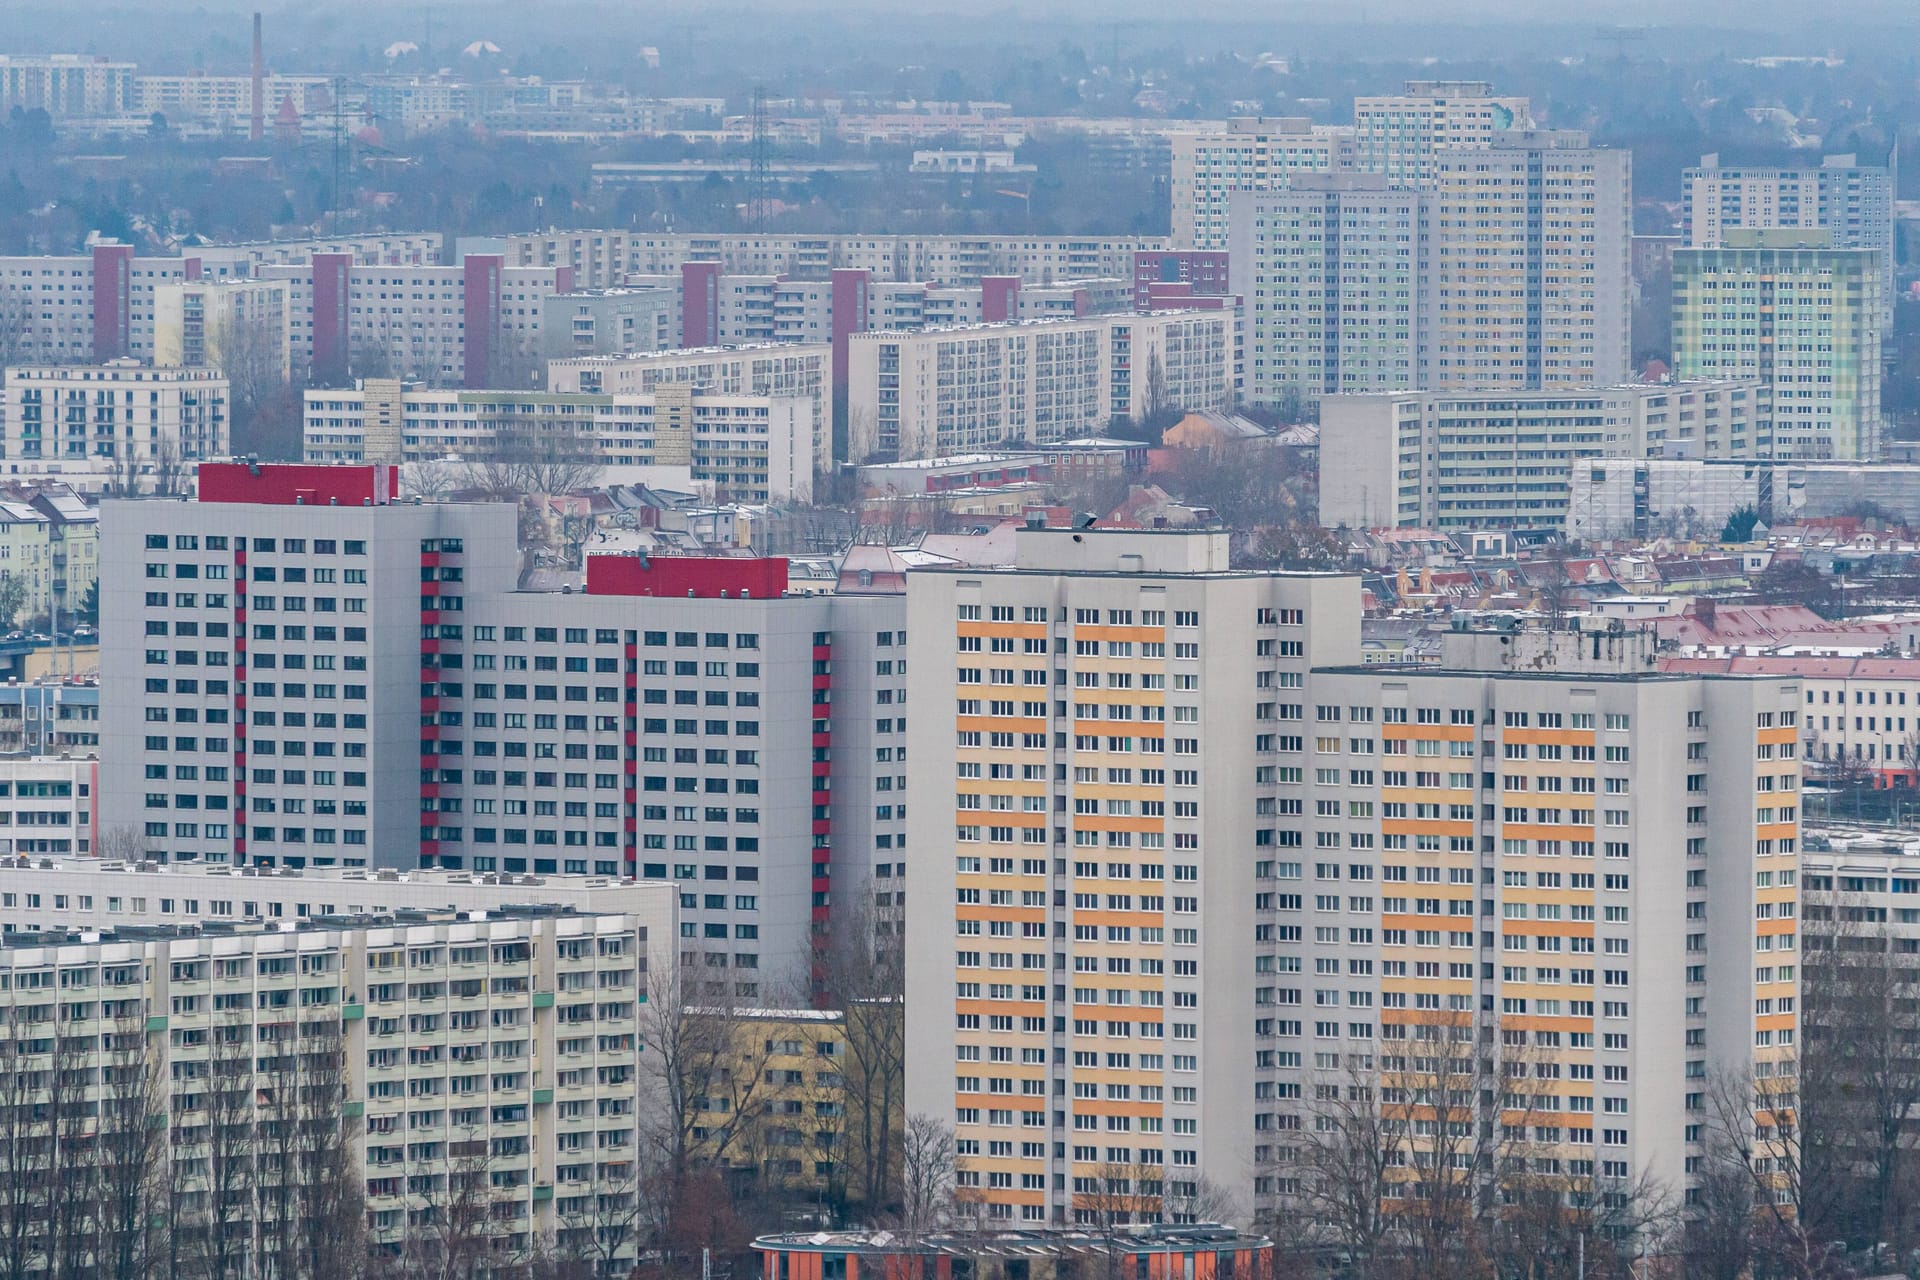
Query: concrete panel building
[[1090, 858], [802, 370], [1803, 318], [1333, 272], [120, 418], [1470, 460], [1850, 200], [1430, 844], [1255, 154], [975, 389], [312, 674], [752, 448], [430, 1042], [1531, 264]]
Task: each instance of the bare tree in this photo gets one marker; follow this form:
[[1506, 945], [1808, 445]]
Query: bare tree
[[263, 406], [529, 456], [448, 1231], [169, 470], [132, 1135], [122, 842], [861, 971], [928, 1165], [24, 1152], [1752, 1125], [703, 1075], [1859, 1075]]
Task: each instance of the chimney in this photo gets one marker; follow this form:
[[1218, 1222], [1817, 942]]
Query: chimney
[[259, 129]]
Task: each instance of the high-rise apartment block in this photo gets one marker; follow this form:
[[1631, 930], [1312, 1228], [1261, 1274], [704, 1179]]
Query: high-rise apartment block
[[1530, 265], [1803, 318], [1500, 266], [1397, 136], [1852, 201], [314, 674], [1206, 866], [1256, 154], [1332, 271], [963, 390], [1093, 746], [1459, 460]]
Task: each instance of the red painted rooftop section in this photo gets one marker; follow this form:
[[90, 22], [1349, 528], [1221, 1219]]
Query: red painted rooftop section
[[702, 577], [272, 484]]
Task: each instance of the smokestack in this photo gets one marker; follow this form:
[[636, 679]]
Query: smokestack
[[259, 130]]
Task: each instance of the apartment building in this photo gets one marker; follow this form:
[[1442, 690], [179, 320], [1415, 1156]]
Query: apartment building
[[750, 448], [313, 674], [66, 86], [1530, 263], [99, 306], [49, 805], [727, 308], [604, 258], [1586, 810], [1805, 319], [135, 421], [802, 370], [1398, 135], [227, 100], [1161, 877], [49, 892], [1136, 803], [609, 322], [1254, 154], [975, 389], [1852, 201], [1471, 460], [237, 325], [51, 717], [475, 324], [1333, 273], [437, 1043], [1862, 714]]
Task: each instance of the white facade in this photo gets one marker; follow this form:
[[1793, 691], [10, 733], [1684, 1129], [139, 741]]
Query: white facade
[[1471, 460], [515, 1039], [802, 370], [1530, 267], [615, 732], [752, 448], [1399, 134], [1334, 276], [603, 258], [47, 806], [1256, 154], [114, 415], [974, 389]]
